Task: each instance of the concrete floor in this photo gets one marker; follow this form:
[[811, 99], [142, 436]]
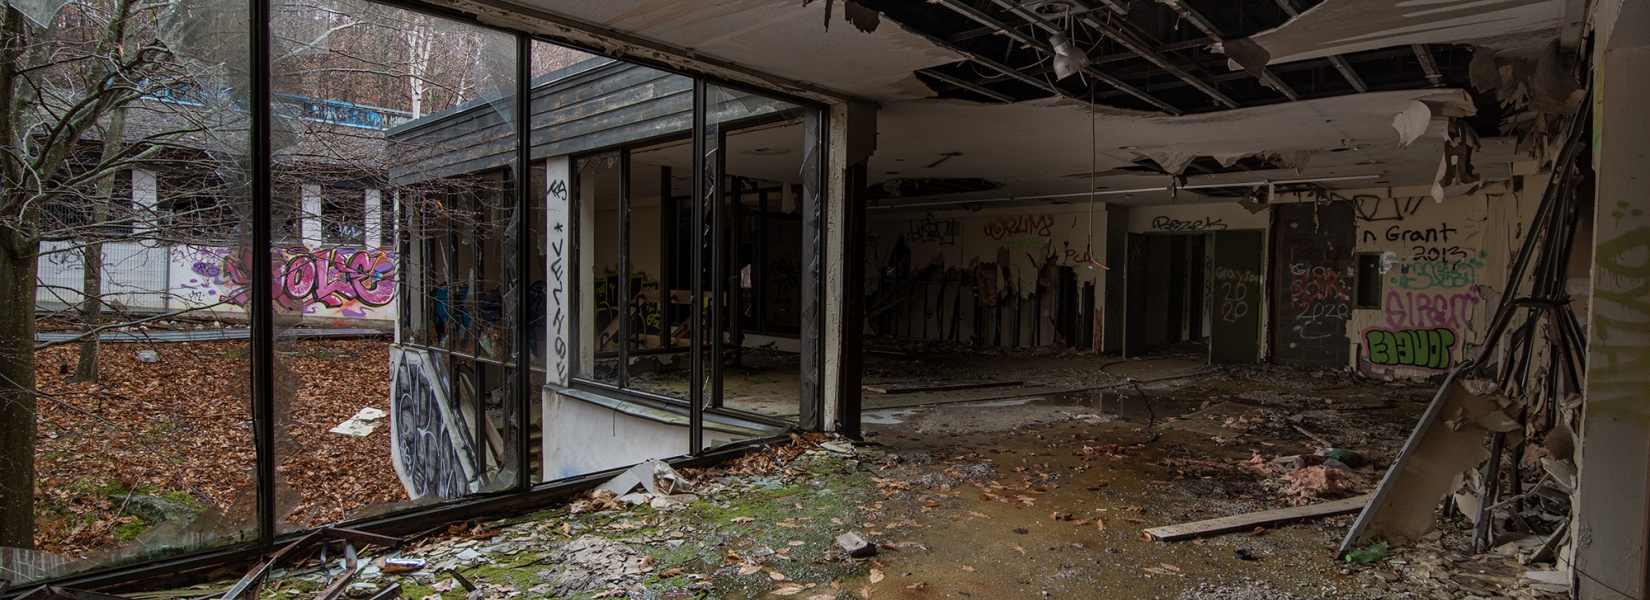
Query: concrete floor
[[1045, 495]]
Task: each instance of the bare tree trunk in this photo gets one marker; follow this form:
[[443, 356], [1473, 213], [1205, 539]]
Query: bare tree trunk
[[17, 415], [91, 278], [91, 310]]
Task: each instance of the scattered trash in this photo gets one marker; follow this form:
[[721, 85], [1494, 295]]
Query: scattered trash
[[1348, 457], [1291, 464], [1373, 554], [1243, 554], [148, 356], [362, 424], [402, 565], [652, 475], [1322, 481]]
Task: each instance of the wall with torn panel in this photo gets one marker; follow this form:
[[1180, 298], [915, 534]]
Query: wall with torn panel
[[1014, 277]]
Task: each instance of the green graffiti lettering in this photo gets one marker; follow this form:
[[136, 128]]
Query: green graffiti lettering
[[1420, 348]]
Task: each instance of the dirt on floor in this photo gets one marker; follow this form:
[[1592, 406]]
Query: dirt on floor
[[1037, 497]]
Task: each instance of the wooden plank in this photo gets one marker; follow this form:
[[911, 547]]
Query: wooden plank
[[1170, 533], [936, 386]]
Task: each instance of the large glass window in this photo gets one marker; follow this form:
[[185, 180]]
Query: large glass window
[[444, 288], [365, 424], [130, 399]]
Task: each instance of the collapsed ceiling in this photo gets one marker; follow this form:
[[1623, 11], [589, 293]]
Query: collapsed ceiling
[[1161, 100]]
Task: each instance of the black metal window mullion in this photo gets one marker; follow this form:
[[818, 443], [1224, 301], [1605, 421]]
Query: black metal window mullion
[[623, 301], [523, 374], [717, 199], [696, 368], [260, 309]]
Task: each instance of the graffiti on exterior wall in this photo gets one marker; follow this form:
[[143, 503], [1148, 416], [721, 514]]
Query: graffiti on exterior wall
[[348, 282], [430, 454], [556, 173], [1431, 349]]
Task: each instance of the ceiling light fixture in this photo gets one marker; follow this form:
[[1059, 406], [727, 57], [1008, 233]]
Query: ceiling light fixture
[[1068, 58]]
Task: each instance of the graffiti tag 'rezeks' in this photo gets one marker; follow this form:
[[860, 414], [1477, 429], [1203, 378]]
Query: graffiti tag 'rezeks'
[[430, 452]]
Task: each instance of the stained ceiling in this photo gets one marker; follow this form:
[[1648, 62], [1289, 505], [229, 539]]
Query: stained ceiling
[[1219, 92]]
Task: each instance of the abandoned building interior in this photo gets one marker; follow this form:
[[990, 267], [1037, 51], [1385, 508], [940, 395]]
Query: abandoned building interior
[[380, 267]]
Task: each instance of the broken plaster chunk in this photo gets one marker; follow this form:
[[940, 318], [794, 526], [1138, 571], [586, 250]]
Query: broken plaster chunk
[[855, 544]]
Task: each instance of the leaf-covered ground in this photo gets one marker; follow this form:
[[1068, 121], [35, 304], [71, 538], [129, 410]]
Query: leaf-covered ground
[[112, 456]]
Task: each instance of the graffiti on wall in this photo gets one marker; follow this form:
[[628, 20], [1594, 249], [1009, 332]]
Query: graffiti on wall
[[556, 300], [1429, 274], [1431, 349], [430, 453], [645, 317], [349, 282], [1235, 292], [933, 231], [1619, 356], [1319, 294], [1163, 223], [1041, 226], [1375, 209]]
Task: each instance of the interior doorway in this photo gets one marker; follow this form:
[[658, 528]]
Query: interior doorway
[[1195, 292]]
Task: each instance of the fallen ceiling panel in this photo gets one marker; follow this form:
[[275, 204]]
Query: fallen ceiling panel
[[1347, 26]]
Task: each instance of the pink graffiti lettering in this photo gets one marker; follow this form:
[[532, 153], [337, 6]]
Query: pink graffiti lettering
[[1413, 310], [1038, 225], [332, 277], [1309, 285]]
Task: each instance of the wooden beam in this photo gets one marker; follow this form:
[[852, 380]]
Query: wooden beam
[[1246, 522]]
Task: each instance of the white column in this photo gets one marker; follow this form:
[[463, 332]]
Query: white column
[[374, 220], [310, 219], [145, 198]]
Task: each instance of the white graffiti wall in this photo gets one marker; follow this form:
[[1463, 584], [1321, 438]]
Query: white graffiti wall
[[1441, 272]]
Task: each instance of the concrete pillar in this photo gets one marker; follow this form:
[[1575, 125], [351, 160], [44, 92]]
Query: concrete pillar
[[1612, 508], [852, 140]]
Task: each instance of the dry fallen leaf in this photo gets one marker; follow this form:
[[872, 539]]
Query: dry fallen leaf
[[1019, 549], [876, 575], [967, 569], [668, 573], [917, 586], [742, 519], [788, 589], [776, 575]]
